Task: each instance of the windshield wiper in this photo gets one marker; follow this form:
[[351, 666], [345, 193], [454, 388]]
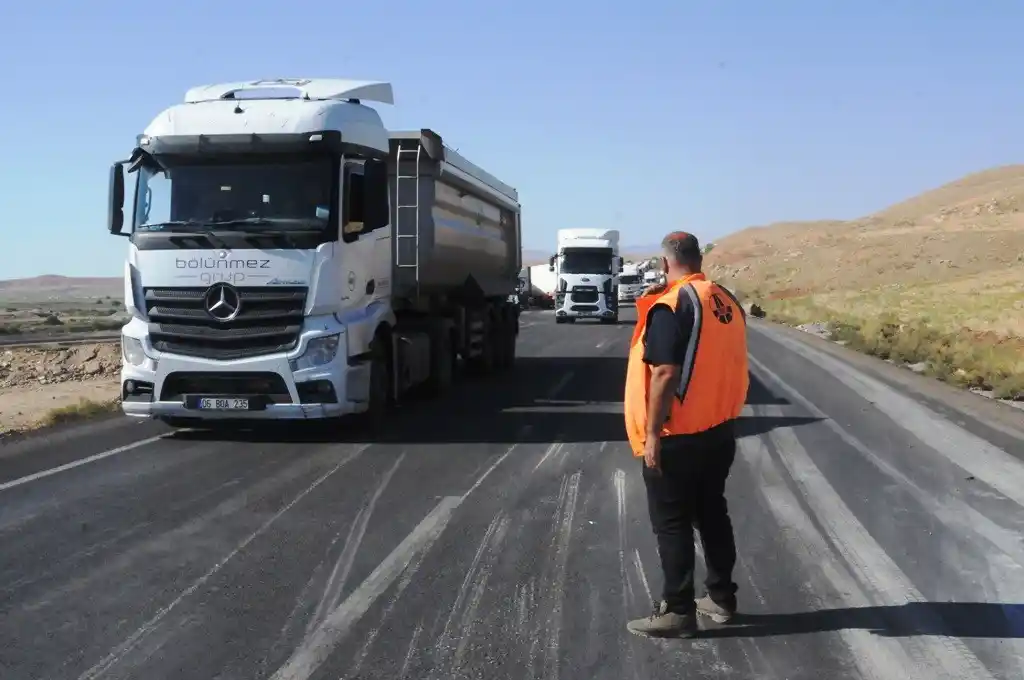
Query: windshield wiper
[[160, 226], [284, 223], [193, 227]]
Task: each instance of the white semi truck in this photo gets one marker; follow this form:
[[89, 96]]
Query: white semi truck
[[289, 258], [586, 265], [631, 283]]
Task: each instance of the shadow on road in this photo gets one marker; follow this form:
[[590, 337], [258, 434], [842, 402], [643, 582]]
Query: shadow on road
[[956, 619], [542, 400]]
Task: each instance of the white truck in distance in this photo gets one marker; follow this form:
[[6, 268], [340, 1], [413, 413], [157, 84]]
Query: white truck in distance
[[631, 283], [586, 266], [290, 258]]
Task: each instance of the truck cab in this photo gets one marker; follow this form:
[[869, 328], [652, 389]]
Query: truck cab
[[586, 266], [631, 283]]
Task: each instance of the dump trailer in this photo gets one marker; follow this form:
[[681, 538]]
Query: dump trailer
[[289, 258]]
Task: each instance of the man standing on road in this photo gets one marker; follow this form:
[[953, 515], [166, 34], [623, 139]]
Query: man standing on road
[[686, 383]]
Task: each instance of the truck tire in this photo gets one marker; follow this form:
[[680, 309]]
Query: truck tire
[[611, 320], [483, 364], [379, 406], [442, 363], [506, 345]]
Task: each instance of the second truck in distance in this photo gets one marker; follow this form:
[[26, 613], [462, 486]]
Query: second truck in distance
[[586, 266]]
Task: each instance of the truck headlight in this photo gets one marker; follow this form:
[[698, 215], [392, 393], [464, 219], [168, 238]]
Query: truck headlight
[[319, 351], [132, 351]]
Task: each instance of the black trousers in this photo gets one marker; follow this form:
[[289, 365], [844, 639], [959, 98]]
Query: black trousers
[[688, 494]]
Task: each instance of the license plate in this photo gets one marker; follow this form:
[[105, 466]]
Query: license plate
[[223, 404]]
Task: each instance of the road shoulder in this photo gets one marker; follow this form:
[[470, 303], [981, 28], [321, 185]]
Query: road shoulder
[[999, 424]]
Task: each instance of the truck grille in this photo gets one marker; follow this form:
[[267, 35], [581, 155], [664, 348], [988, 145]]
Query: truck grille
[[269, 320], [584, 294], [268, 385]]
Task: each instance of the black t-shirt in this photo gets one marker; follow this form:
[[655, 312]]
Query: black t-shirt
[[668, 333]]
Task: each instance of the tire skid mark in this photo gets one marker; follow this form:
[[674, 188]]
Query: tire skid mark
[[871, 565], [876, 658], [331, 597], [545, 647], [139, 636], [628, 598], [446, 646], [403, 582]]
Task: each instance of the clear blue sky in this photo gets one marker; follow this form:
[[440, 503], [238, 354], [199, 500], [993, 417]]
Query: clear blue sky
[[646, 116]]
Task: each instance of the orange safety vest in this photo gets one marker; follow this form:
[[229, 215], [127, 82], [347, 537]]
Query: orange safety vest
[[714, 381]]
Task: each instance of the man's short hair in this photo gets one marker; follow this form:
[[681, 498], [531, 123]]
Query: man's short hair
[[684, 249]]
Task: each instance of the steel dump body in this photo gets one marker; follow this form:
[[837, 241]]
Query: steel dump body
[[455, 227]]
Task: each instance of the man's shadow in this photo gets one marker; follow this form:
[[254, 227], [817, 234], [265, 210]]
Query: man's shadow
[[956, 619]]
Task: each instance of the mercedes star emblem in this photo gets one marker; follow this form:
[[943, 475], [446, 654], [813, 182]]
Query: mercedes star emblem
[[222, 301]]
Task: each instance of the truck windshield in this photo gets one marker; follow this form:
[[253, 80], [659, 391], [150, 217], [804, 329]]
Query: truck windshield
[[629, 279], [587, 261], [243, 195]]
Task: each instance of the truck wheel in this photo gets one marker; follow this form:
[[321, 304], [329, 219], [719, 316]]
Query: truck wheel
[[483, 364], [611, 320], [380, 387], [506, 354], [442, 363]]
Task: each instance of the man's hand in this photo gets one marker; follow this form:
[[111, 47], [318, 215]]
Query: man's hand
[[652, 453]]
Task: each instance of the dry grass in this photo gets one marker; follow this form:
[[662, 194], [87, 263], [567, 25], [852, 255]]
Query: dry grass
[[82, 410], [966, 358], [936, 280]]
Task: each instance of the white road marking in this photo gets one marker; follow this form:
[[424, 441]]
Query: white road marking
[[601, 344], [133, 641], [308, 658], [78, 463], [339, 575]]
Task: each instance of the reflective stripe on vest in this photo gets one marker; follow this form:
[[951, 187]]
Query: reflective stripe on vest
[[691, 346]]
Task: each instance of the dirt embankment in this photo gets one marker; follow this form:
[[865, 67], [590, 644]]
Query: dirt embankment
[[38, 386], [30, 366]]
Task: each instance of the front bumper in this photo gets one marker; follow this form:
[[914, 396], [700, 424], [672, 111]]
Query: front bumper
[[567, 307], [165, 385]]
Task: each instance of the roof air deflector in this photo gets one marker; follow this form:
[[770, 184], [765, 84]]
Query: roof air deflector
[[305, 88]]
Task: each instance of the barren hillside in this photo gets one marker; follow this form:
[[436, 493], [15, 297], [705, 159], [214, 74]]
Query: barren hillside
[[54, 288], [962, 242]]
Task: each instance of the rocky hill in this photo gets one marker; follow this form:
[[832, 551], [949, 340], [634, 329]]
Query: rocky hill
[[950, 262], [52, 287]]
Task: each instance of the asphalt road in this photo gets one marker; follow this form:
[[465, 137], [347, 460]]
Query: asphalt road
[[502, 533]]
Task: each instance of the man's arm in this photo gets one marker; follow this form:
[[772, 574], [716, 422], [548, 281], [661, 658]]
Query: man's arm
[[665, 347], [664, 381]]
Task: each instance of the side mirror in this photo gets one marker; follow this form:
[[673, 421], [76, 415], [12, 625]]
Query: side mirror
[[551, 263], [375, 195], [115, 202], [621, 265]]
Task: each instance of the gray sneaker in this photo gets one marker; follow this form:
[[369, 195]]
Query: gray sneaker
[[714, 611], [665, 624]]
